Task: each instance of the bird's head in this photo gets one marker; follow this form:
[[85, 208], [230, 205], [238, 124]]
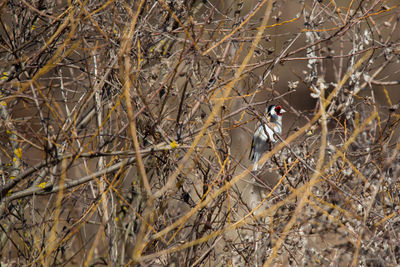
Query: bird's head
[[275, 110]]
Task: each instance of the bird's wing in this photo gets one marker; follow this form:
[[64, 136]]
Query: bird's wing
[[267, 131], [251, 148], [252, 141]]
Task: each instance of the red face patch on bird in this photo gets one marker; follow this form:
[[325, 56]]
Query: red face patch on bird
[[278, 110]]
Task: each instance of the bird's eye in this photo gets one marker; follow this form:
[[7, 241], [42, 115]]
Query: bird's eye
[[278, 109]]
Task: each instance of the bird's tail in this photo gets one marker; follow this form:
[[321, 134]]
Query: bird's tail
[[255, 159]]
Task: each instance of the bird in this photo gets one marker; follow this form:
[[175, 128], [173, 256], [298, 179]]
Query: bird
[[264, 135]]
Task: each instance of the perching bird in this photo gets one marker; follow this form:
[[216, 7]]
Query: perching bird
[[264, 134]]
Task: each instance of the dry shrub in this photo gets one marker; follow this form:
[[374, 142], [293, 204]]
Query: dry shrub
[[126, 129]]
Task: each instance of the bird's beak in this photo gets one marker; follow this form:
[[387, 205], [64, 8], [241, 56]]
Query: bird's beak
[[282, 111]]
